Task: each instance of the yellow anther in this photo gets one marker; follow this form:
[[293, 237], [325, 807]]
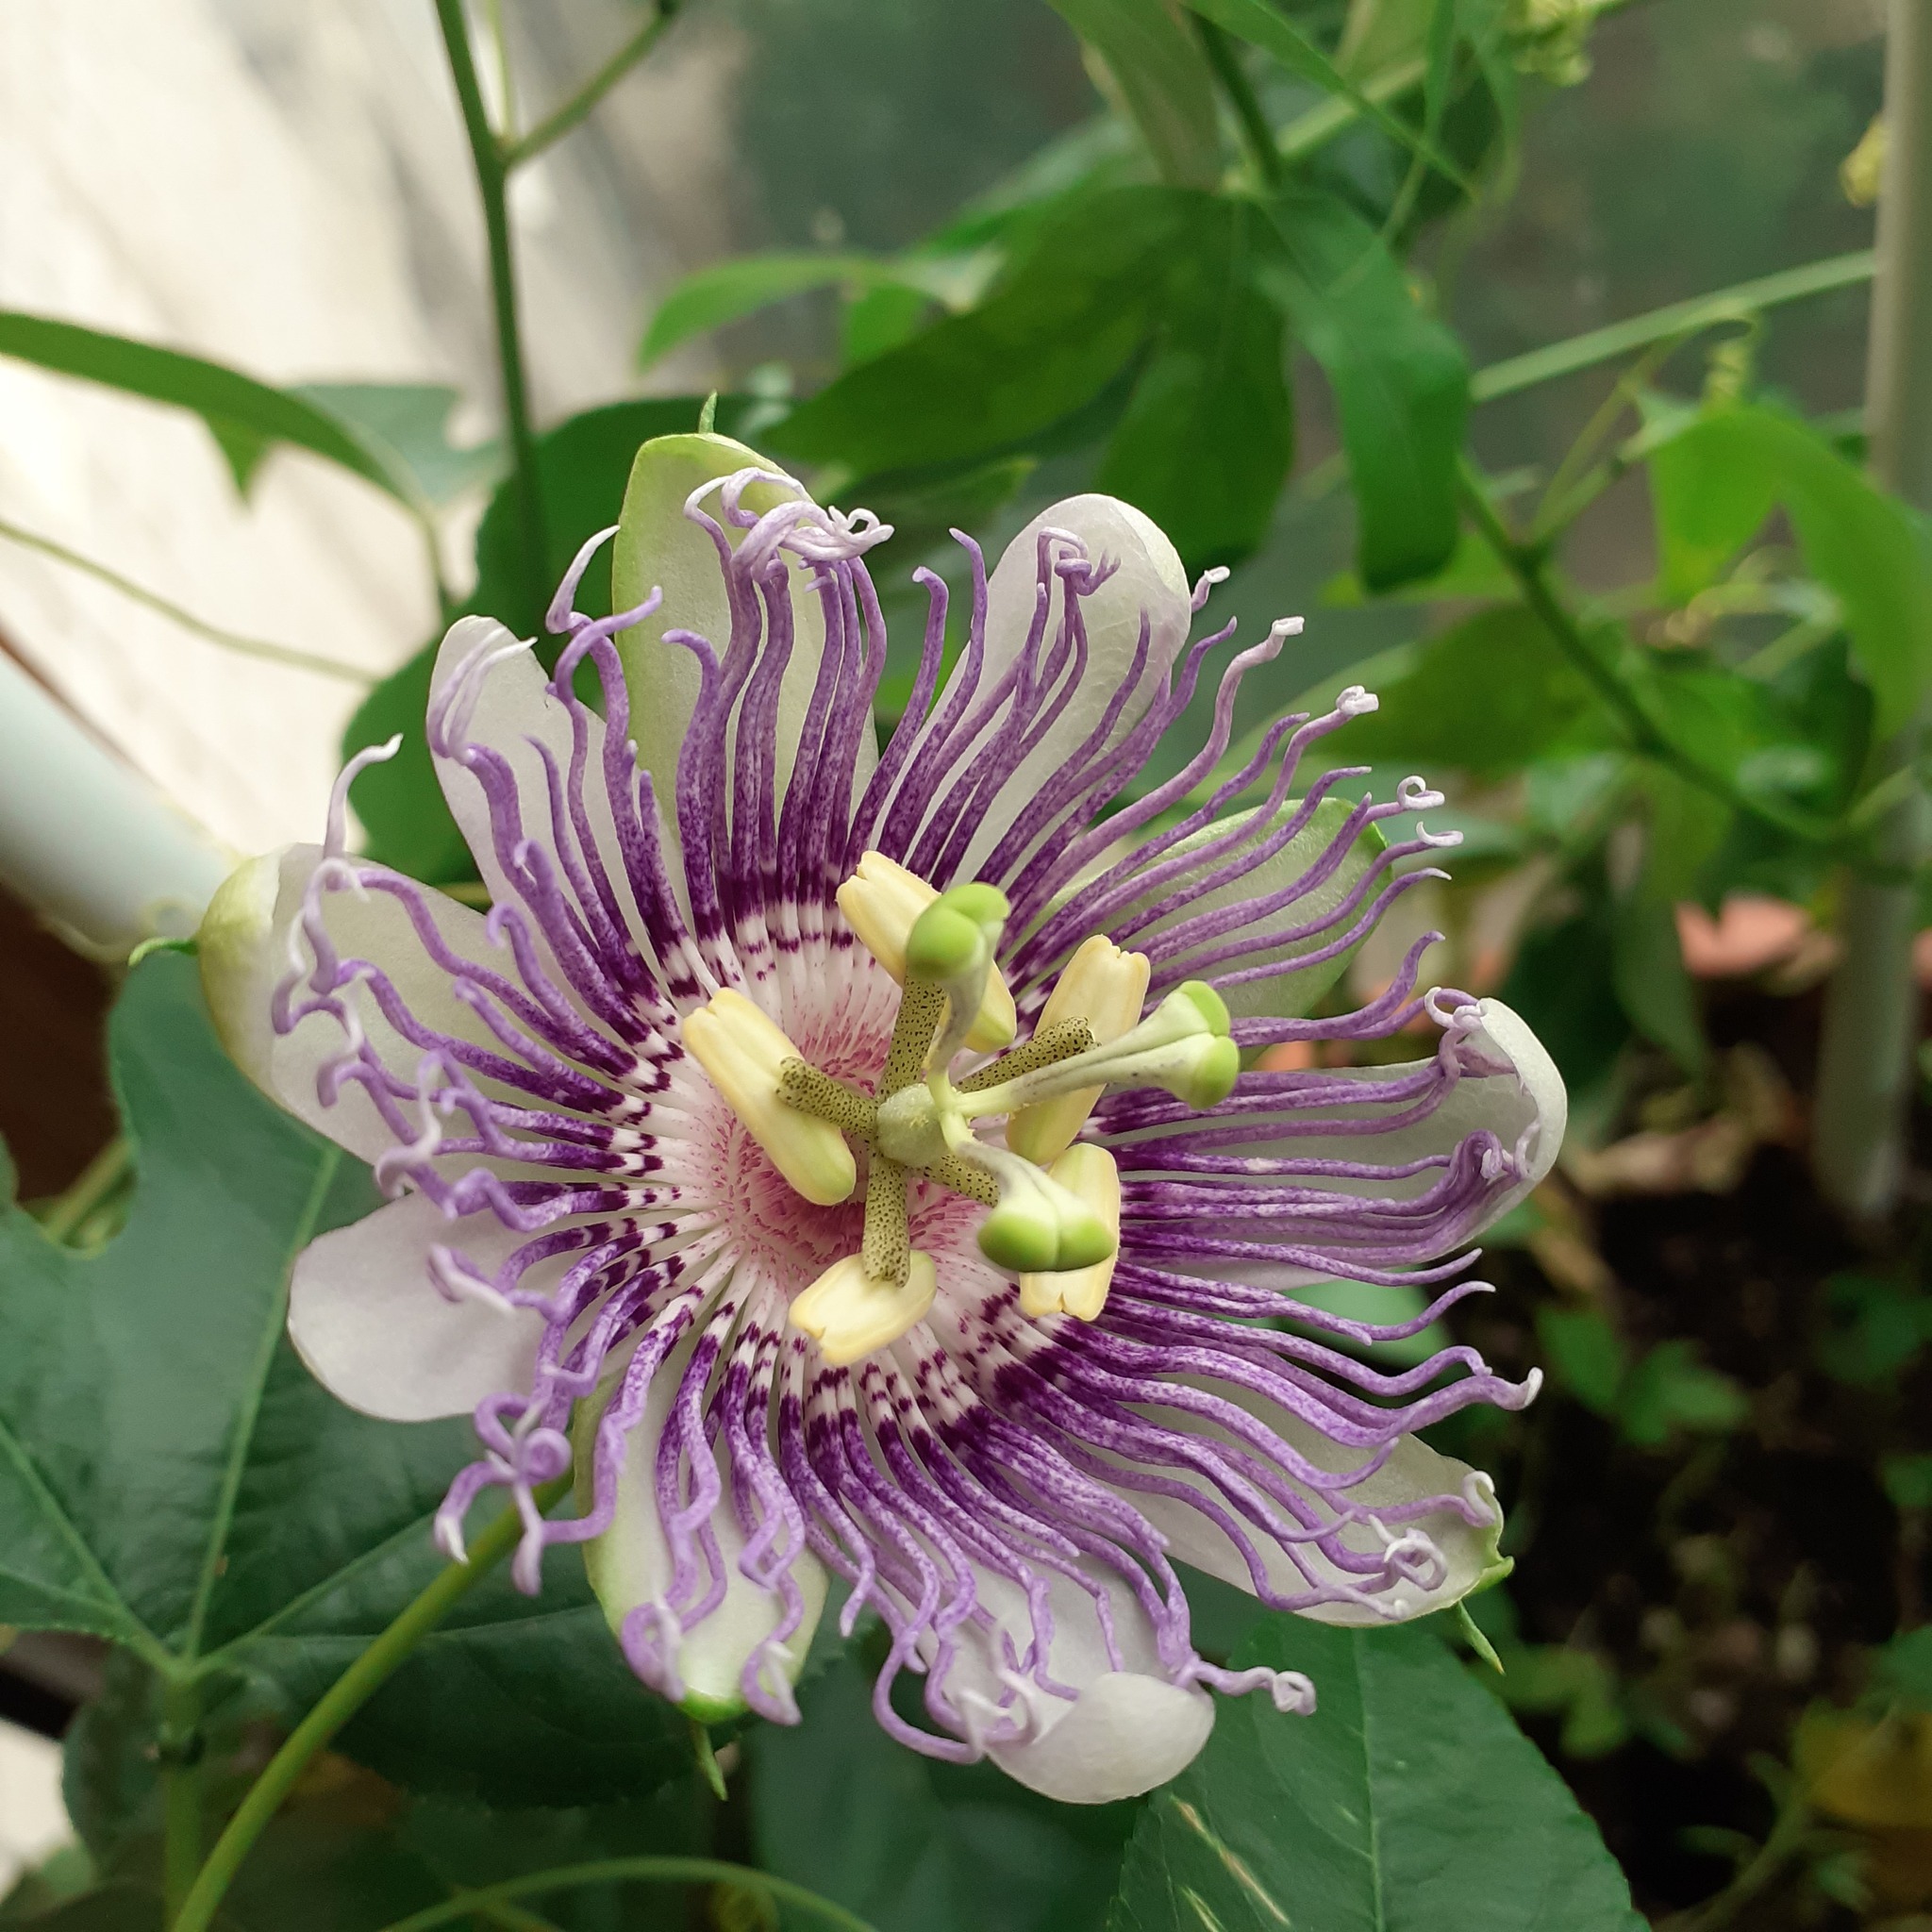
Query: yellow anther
[[850, 1316], [1091, 1173], [745, 1052], [1107, 988], [880, 901]]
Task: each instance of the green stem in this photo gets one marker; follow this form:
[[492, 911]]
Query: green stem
[[1527, 563], [555, 126], [180, 1747], [96, 1182], [492, 176], [340, 1703], [1785, 1837], [1307, 133], [1681, 320], [214, 633], [1871, 1006], [1257, 137], [660, 1871], [1329, 119]]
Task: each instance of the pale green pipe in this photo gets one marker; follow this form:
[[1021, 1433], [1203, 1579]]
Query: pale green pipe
[[84, 841], [1866, 1051]]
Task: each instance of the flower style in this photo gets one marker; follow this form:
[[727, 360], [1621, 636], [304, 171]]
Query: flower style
[[713, 1179]]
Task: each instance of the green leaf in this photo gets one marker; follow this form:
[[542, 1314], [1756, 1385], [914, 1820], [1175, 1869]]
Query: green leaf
[[173, 1478], [1903, 1669], [1671, 1389], [169, 1474], [1489, 696], [917, 1847], [1584, 1352], [876, 320], [1875, 1326], [728, 292], [1907, 1481], [471, 1846], [1715, 480], [514, 1700], [1409, 1802], [1163, 79], [114, 1908], [245, 416], [1208, 433], [1647, 969], [1068, 318], [1561, 984], [1551, 1679], [1400, 380], [1269, 29], [405, 426]]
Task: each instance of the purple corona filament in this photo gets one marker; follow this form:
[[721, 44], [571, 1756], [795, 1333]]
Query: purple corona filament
[[988, 1480]]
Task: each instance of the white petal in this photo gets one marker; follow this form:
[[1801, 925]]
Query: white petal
[[1149, 582], [1290, 992], [1524, 1106], [659, 546], [630, 1564], [245, 950], [1413, 1472], [380, 1335], [1127, 1735], [1125, 1731], [505, 707]]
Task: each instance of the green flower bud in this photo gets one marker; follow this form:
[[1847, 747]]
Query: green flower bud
[[1084, 1239], [944, 946], [1211, 1078], [1016, 1235], [1206, 1002], [985, 905]]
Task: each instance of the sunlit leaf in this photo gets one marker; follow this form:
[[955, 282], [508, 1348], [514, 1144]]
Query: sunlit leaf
[[405, 425], [245, 416], [1487, 696]]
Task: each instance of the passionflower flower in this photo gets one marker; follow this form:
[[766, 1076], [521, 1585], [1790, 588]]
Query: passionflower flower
[[841, 1158]]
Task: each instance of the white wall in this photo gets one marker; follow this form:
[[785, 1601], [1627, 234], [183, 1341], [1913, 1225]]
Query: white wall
[[284, 186]]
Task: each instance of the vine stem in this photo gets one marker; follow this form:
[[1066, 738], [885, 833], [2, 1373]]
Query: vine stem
[[181, 1793], [558, 122], [1257, 136], [340, 1703], [1871, 1006], [1527, 563], [663, 1871], [92, 1187], [492, 163], [175, 613]]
